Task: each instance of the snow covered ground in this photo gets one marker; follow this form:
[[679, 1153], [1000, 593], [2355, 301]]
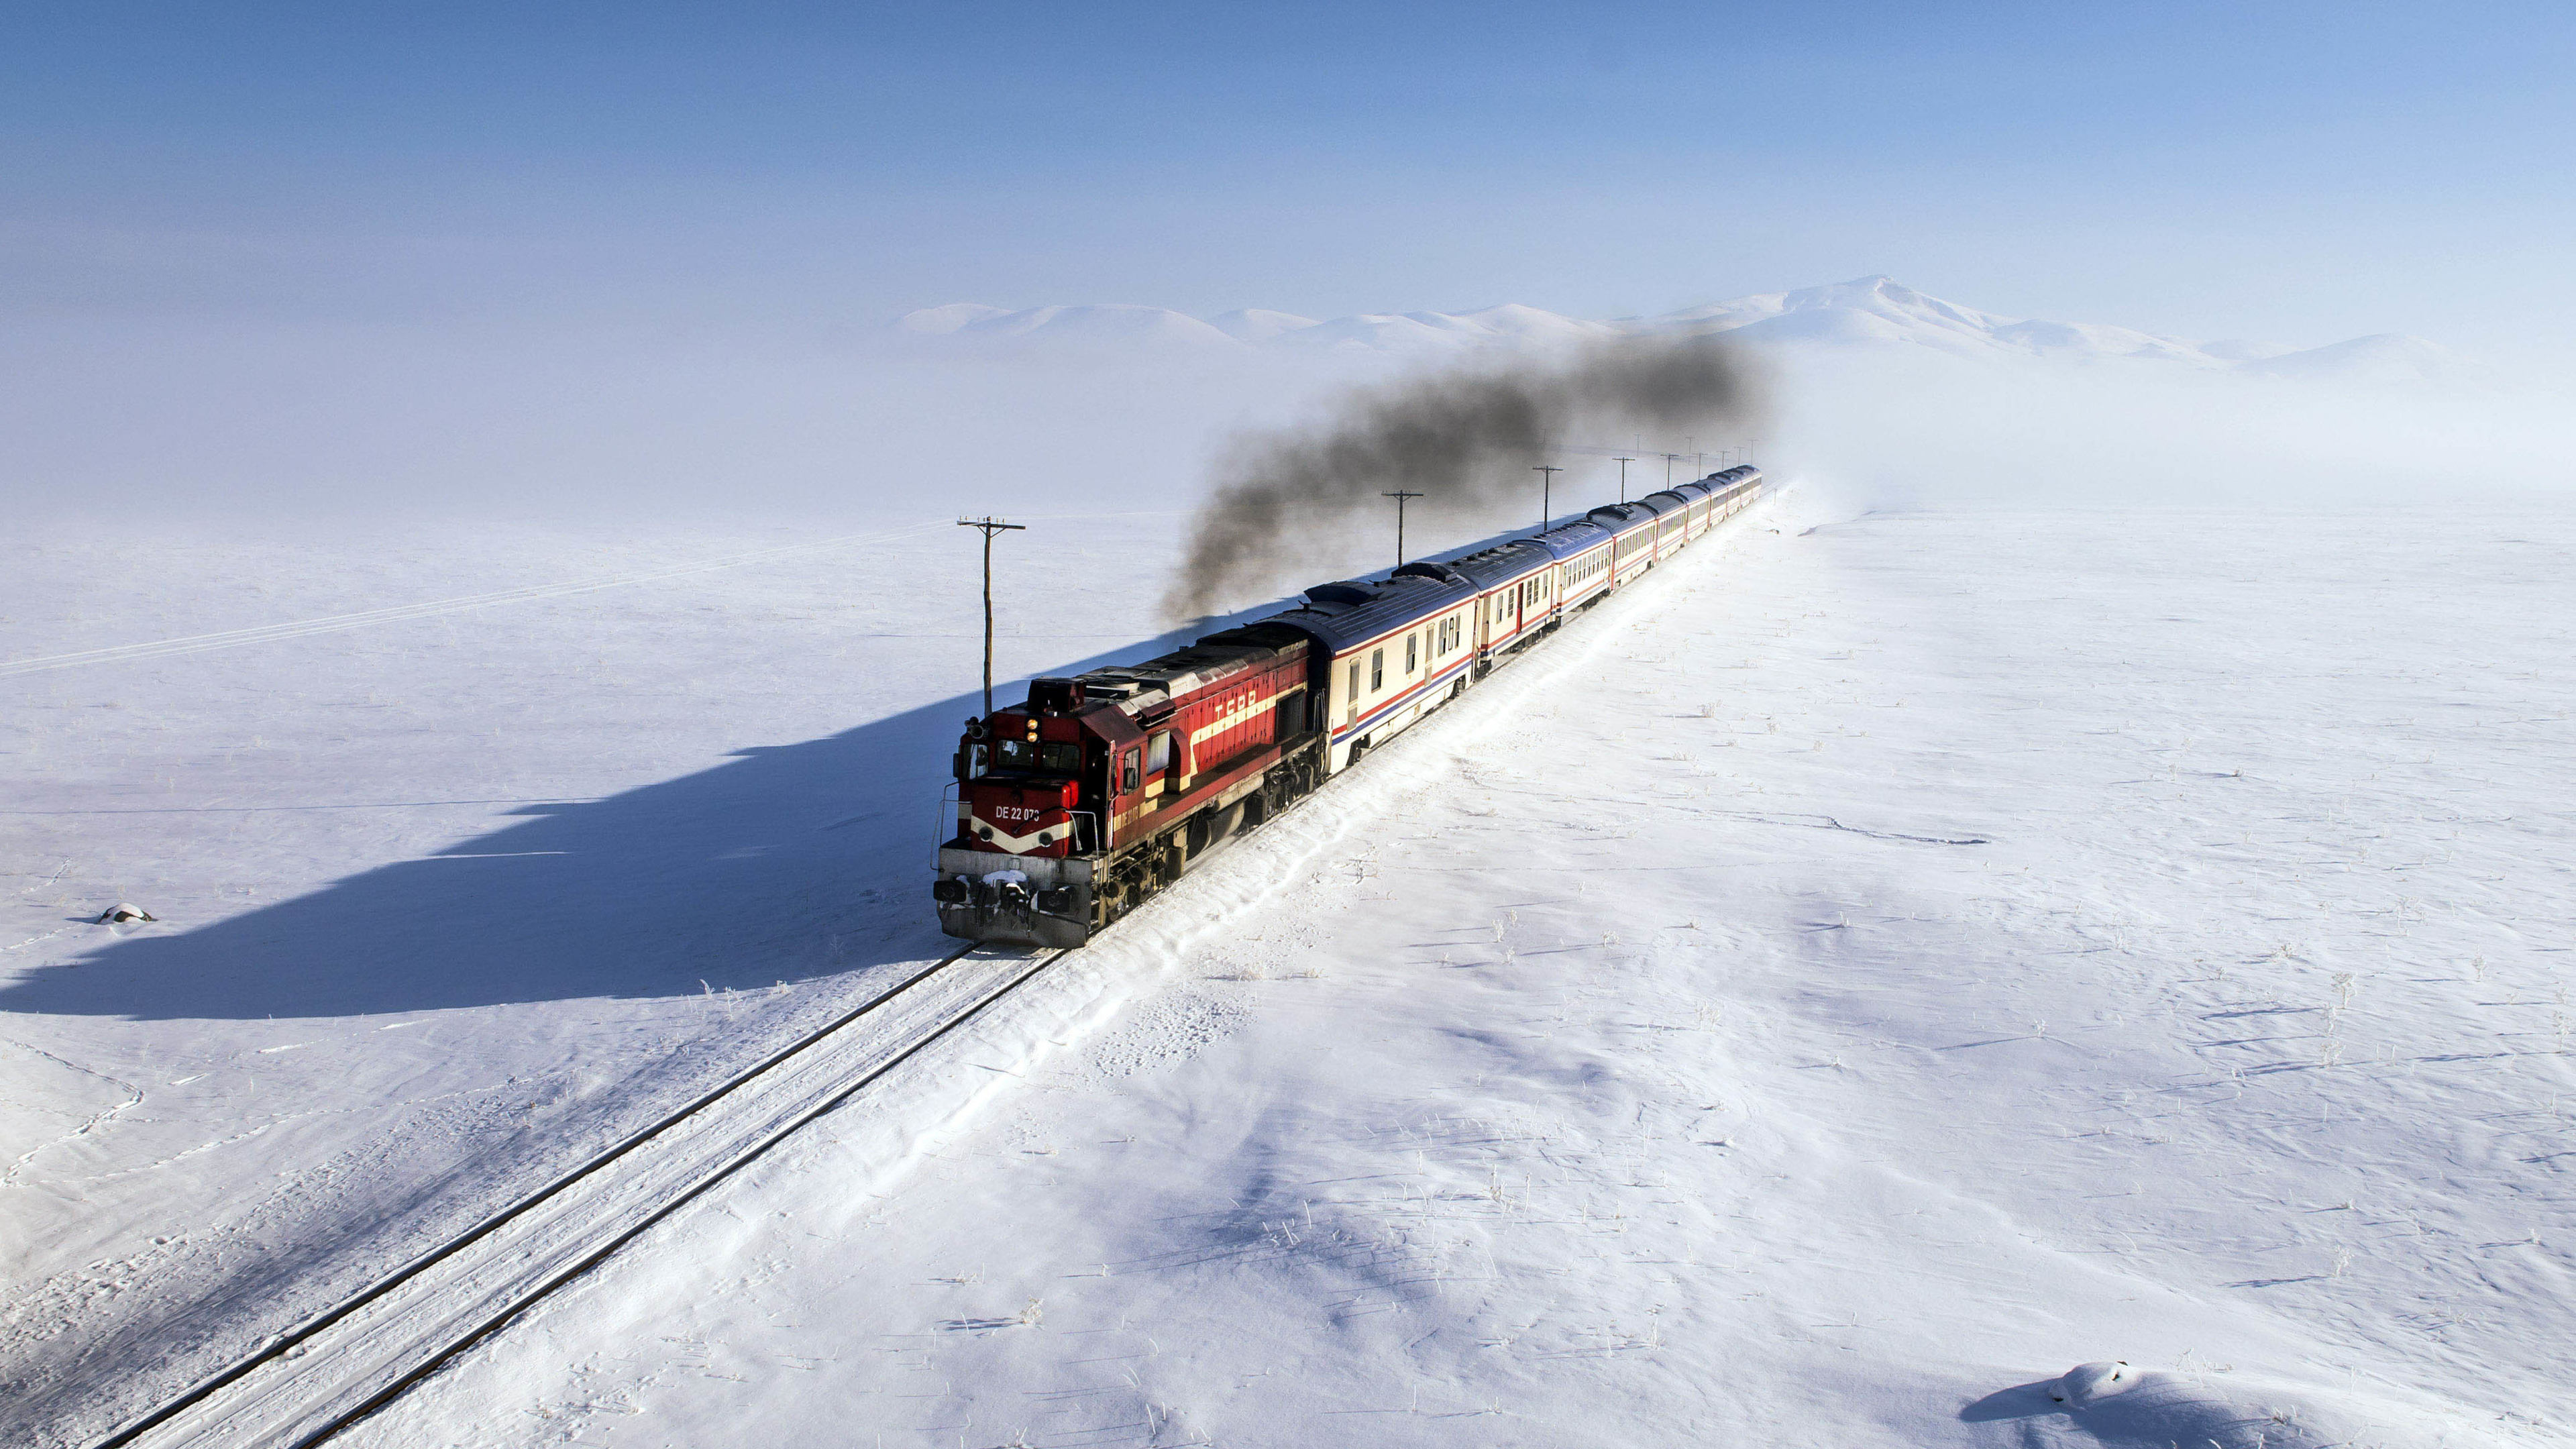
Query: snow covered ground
[[445, 894], [1874, 966]]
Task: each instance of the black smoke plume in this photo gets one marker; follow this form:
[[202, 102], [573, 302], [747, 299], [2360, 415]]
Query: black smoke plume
[[1310, 498]]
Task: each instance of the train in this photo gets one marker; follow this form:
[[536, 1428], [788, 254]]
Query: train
[[1078, 805]]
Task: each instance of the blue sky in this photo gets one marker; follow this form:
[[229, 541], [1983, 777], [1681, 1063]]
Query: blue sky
[[2295, 171]]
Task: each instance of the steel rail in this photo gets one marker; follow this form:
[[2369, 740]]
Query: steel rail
[[284, 1344], [441, 1357]]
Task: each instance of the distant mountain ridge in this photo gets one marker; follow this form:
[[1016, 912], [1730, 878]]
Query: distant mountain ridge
[[1865, 312]]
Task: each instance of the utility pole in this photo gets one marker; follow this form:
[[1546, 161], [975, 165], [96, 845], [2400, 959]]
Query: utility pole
[[1668, 469], [1399, 498], [990, 526], [1623, 478], [1546, 480]]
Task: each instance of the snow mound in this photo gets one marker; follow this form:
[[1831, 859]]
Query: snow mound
[[1882, 298], [1531, 324], [1115, 323], [2088, 1383], [2381, 357], [2117, 1406], [1880, 310], [1369, 332], [939, 321], [2238, 349], [1255, 324]]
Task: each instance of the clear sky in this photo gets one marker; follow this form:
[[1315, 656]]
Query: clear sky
[[2297, 171]]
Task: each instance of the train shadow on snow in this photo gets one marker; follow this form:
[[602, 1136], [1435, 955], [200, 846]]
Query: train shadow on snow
[[785, 863]]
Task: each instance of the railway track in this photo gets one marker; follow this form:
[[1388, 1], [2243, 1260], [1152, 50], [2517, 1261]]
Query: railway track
[[306, 1385]]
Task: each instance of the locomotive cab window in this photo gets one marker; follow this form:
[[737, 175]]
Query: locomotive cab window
[[1049, 757], [1128, 773]]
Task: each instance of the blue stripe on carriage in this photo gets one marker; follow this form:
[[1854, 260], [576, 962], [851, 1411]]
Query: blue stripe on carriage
[[1381, 712]]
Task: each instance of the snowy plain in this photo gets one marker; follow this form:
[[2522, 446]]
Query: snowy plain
[[1921, 941], [1829, 993]]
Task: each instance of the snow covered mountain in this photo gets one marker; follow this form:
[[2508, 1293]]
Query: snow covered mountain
[[1867, 312], [2382, 357], [1112, 322]]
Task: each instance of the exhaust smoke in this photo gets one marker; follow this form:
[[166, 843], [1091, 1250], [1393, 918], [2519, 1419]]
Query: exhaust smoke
[[1303, 498]]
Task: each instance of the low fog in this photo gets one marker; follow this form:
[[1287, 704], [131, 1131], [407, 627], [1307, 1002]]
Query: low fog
[[605, 431], [1904, 427]]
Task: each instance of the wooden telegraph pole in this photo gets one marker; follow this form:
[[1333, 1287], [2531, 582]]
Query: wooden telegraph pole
[[990, 526], [1546, 480], [1399, 498], [1623, 478]]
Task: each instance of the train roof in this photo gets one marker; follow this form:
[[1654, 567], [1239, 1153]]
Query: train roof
[[1504, 562], [1568, 539], [1351, 611], [1623, 518], [1671, 500], [1140, 688]]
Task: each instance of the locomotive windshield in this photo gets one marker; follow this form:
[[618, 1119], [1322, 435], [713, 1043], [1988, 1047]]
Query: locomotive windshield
[[1050, 757]]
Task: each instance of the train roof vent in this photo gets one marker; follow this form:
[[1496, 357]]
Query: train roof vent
[[1055, 696], [1430, 569], [1343, 592]]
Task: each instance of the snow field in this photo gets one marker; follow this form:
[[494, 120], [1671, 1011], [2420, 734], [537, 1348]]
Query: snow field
[[1869, 969], [1740, 1102], [445, 899]]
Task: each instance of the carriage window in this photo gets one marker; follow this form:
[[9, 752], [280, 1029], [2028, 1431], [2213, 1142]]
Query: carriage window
[[1355, 679], [1377, 669], [1409, 659]]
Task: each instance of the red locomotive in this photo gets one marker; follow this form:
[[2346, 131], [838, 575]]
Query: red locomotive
[[1077, 806]]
